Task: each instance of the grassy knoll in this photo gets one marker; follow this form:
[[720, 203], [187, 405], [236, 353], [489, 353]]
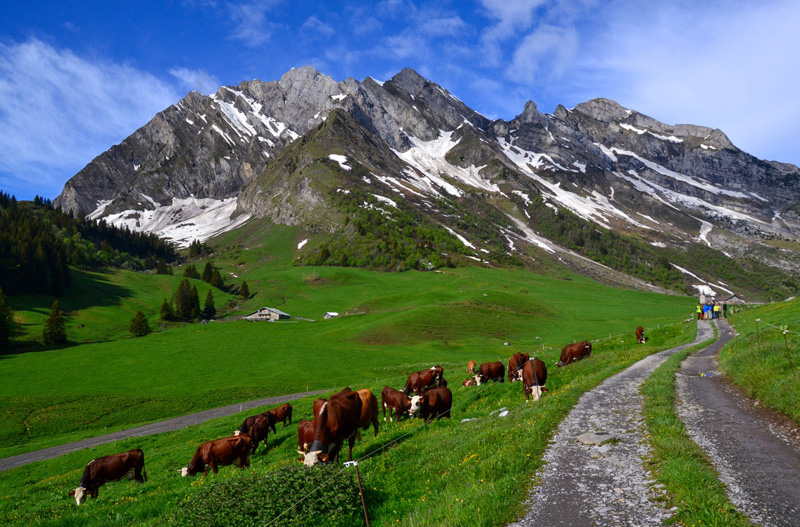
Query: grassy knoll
[[103, 302], [677, 462], [446, 473], [759, 363], [400, 322]]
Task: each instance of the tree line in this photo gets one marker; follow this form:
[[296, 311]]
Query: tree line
[[38, 243]]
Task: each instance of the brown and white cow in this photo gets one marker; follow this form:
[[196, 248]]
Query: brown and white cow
[[469, 382], [305, 434], [259, 430], [338, 419], [640, 338], [490, 371], [394, 400], [282, 414], [129, 465], [515, 364], [434, 403], [575, 352], [471, 367], [534, 375], [234, 450], [420, 380], [369, 410]]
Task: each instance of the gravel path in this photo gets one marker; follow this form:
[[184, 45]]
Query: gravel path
[[756, 452], [584, 485], [146, 430]]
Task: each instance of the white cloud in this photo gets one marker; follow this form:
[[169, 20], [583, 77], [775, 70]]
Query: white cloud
[[316, 27], [199, 80], [253, 28], [58, 111], [546, 52]]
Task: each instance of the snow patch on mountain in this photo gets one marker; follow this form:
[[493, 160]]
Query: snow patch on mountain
[[461, 238], [428, 157], [183, 221], [342, 160]]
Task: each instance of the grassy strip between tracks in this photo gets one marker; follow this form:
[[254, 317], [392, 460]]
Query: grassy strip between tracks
[[677, 462]]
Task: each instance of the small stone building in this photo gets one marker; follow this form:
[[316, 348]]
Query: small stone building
[[268, 313]]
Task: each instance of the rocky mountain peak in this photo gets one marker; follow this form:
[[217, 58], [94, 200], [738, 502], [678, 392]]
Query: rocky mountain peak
[[603, 110], [409, 81]]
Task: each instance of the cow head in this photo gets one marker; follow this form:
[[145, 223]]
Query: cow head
[[416, 404], [478, 380], [185, 471], [313, 458], [79, 494], [535, 392]]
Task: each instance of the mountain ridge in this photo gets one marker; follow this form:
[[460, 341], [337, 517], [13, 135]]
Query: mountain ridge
[[666, 185]]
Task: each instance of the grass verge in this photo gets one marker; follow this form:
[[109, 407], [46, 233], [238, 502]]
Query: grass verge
[[764, 363], [677, 462]]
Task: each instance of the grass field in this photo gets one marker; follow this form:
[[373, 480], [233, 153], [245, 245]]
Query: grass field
[[445, 473], [758, 360]]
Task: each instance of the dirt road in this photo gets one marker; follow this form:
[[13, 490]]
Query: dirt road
[[153, 428], [755, 451]]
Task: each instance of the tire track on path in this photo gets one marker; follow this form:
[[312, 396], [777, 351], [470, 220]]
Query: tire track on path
[[584, 485], [168, 425]]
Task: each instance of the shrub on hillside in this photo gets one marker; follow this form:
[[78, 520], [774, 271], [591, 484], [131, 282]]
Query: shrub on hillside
[[258, 499], [139, 325]]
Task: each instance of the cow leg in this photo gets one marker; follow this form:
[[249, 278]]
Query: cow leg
[[375, 424], [350, 443], [214, 466]]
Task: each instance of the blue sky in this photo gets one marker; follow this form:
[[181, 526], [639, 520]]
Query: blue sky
[[79, 77]]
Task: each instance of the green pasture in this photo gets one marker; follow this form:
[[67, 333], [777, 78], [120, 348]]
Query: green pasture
[[758, 360], [100, 305], [398, 322], [446, 473]]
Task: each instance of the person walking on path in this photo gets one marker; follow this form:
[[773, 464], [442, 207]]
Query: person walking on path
[[699, 312]]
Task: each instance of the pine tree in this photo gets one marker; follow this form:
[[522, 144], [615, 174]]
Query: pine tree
[[55, 331], [244, 291], [194, 299], [209, 311], [139, 325], [216, 279], [7, 320], [167, 311], [183, 300], [191, 272], [161, 267], [208, 271]]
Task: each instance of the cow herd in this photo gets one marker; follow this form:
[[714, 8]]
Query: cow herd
[[341, 417]]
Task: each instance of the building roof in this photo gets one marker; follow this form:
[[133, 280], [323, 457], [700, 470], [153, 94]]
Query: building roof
[[270, 309]]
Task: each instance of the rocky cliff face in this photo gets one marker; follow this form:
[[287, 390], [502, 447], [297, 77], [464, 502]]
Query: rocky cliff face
[[277, 150]]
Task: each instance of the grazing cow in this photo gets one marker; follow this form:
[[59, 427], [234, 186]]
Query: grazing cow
[[471, 367], [369, 410], [534, 375], [394, 400], [515, 364], [318, 403], [435, 403], [573, 352], [337, 420], [282, 414], [305, 434], [422, 379], [128, 465], [259, 430], [234, 450], [469, 382], [640, 338], [491, 371], [244, 428]]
